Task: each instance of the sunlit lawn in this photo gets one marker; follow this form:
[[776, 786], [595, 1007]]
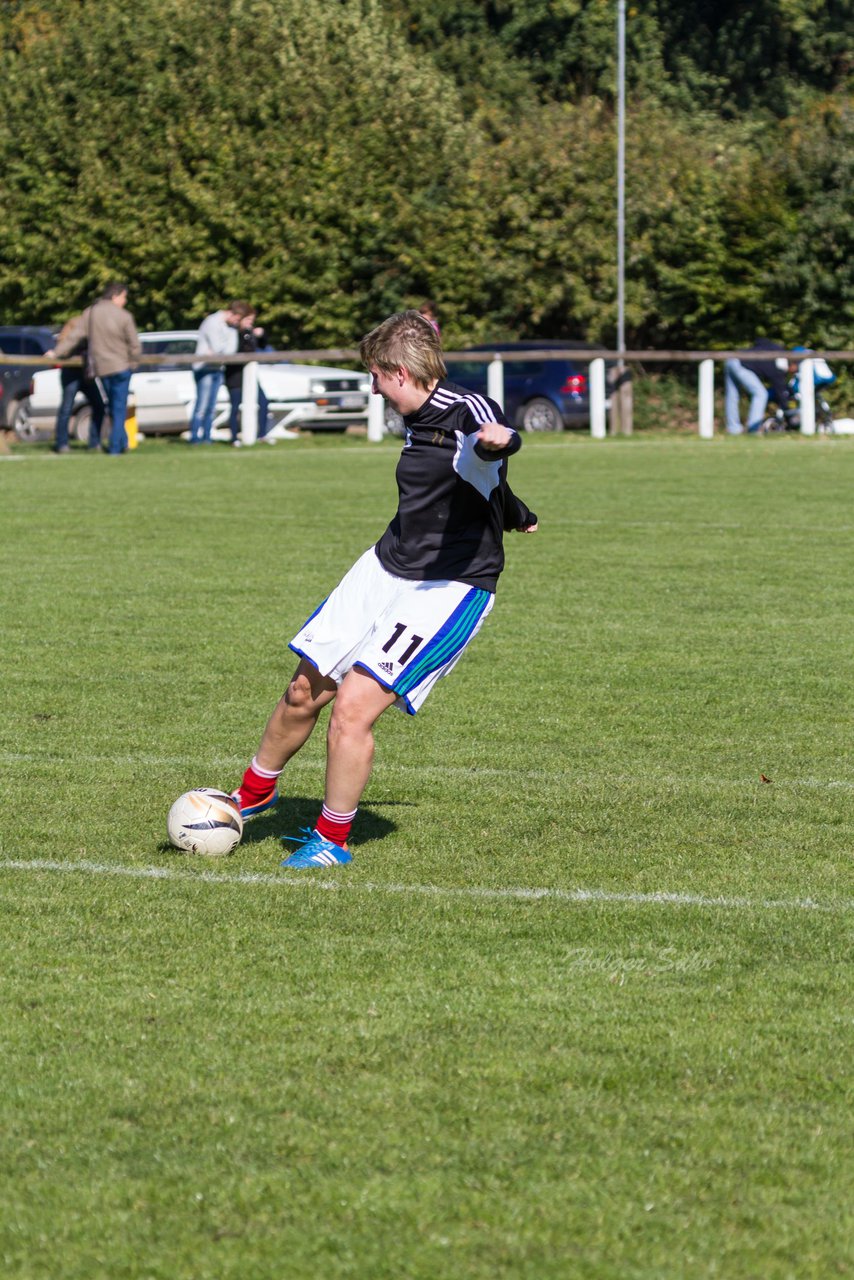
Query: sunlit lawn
[[580, 1007]]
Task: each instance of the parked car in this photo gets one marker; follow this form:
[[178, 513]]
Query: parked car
[[16, 380], [312, 396], [539, 395]]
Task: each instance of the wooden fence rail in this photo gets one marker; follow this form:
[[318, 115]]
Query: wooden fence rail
[[597, 358]]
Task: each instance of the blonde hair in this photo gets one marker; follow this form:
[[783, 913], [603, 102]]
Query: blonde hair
[[408, 341]]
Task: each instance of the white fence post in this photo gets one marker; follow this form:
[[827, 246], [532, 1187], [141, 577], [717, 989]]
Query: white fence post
[[598, 424], [376, 417], [495, 381], [806, 382], [249, 403], [706, 388]]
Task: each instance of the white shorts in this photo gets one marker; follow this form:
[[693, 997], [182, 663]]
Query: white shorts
[[406, 634]]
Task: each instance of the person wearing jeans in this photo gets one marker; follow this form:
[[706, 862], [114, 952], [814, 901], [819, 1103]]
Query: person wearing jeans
[[114, 351], [739, 380], [116, 390], [108, 343], [72, 382], [217, 337], [235, 395], [208, 383], [72, 342], [758, 378]]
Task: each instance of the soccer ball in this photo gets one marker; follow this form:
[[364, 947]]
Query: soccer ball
[[205, 821]]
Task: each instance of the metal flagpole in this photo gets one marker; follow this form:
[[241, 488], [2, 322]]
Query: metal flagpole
[[621, 174], [624, 412]]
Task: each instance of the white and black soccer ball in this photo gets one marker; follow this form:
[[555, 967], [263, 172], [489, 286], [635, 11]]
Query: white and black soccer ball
[[205, 821]]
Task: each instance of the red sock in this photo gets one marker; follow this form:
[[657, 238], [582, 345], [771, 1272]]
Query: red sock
[[334, 826], [256, 784]]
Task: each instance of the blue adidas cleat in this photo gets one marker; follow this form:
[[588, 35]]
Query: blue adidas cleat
[[252, 810], [316, 851]]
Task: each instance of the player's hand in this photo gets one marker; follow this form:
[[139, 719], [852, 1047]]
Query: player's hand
[[528, 528], [494, 436]]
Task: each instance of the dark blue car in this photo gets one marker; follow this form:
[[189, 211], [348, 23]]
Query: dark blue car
[[539, 395], [16, 380]]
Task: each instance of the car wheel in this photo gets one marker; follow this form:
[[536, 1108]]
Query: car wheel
[[21, 422], [540, 414], [80, 423]]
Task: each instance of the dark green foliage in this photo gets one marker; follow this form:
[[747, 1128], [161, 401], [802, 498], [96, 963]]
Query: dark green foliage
[[228, 152], [739, 56], [722, 55], [335, 161], [819, 173]]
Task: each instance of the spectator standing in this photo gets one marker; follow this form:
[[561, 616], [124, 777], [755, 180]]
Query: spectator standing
[[749, 377], [249, 338], [73, 341], [218, 336], [114, 351]]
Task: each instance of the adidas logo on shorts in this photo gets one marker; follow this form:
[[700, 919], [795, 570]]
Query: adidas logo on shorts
[[387, 667]]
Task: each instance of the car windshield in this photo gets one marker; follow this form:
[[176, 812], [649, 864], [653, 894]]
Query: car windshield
[[169, 346], [526, 367]]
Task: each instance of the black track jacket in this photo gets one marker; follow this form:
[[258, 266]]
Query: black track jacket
[[454, 501]]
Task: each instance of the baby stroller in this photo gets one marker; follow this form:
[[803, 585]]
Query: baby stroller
[[787, 417]]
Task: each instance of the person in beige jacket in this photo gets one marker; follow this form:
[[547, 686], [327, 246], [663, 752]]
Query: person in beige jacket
[[114, 351]]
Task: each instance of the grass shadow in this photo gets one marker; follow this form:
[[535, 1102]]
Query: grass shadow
[[294, 812]]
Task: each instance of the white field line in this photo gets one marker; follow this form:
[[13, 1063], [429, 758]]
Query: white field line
[[580, 897], [565, 777]]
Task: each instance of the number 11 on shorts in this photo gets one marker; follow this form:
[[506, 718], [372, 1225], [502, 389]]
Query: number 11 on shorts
[[397, 633]]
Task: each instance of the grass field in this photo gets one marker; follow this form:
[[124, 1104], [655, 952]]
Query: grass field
[[581, 1006]]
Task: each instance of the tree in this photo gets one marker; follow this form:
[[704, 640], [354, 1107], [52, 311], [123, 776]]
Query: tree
[[247, 148], [335, 161]]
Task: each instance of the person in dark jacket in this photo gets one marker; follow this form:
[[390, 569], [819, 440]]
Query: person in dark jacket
[[403, 615], [757, 378], [250, 338], [74, 380]]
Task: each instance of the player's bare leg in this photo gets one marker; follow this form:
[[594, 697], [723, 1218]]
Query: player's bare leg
[[287, 730], [291, 724], [360, 702]]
